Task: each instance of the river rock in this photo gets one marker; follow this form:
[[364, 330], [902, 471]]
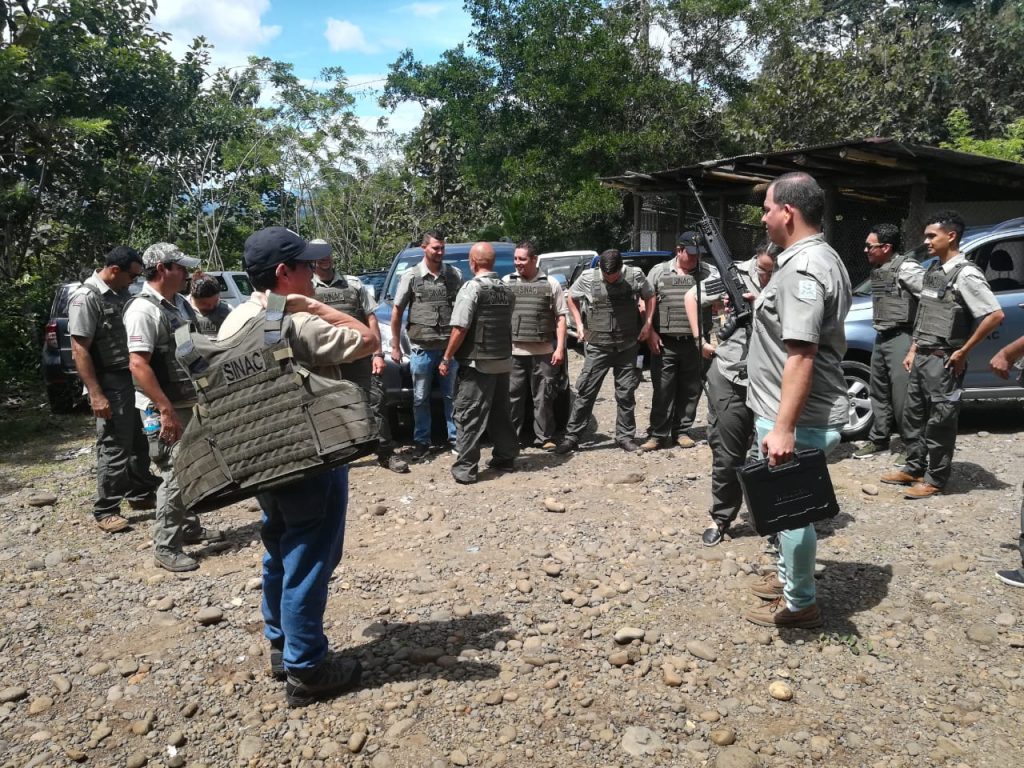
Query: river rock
[[553, 505], [628, 635], [41, 499], [736, 757], [722, 737], [701, 650], [638, 741], [780, 690], [210, 615]]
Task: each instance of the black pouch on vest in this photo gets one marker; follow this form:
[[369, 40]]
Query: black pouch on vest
[[788, 496]]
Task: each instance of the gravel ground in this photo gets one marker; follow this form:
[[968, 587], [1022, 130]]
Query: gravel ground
[[564, 615]]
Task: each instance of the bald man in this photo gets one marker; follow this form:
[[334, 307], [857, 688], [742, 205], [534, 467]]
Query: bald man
[[481, 340]]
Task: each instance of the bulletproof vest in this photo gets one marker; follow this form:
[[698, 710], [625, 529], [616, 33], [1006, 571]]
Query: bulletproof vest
[[209, 324], [343, 297], [892, 307], [942, 320], [262, 420], [109, 348], [489, 336], [613, 319], [533, 319], [670, 314], [430, 311], [173, 379]]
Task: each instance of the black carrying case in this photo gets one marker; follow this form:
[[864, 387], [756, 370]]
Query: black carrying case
[[788, 496]]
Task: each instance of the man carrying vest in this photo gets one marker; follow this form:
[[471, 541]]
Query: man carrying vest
[[303, 527], [204, 296], [895, 286], [481, 340], [612, 332], [539, 315], [954, 294], [730, 420], [675, 356], [162, 385], [347, 294], [429, 291], [99, 348]]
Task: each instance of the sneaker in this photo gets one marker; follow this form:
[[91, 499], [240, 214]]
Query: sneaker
[[277, 670], [869, 449], [566, 446], [419, 451], [178, 562], [334, 675], [629, 446], [1013, 578], [776, 614], [394, 463], [712, 535], [685, 441], [654, 444], [769, 587], [549, 445], [142, 504], [112, 524], [203, 536], [502, 465]]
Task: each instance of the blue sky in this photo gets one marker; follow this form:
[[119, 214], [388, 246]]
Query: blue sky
[[361, 37]]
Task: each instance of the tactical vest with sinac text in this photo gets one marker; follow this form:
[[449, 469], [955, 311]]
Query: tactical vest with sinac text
[[109, 349], [613, 318], [489, 335], [943, 321], [533, 319], [430, 307], [891, 306]]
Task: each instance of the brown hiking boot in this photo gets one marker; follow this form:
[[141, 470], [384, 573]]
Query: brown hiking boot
[[776, 614], [769, 587], [654, 444], [899, 477], [921, 491], [112, 524], [685, 441]]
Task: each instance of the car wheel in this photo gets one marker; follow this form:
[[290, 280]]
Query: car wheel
[[857, 377], [62, 398]]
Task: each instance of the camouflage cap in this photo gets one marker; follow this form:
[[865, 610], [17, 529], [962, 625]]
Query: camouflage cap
[[167, 253]]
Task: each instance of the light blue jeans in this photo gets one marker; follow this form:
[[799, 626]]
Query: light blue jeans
[[423, 367], [798, 547]]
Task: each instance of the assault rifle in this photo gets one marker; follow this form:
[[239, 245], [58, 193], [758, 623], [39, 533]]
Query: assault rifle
[[740, 310]]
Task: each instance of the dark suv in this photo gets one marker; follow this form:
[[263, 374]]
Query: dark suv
[[63, 386]]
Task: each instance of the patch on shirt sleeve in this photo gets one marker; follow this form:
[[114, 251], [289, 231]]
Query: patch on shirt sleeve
[[807, 289]]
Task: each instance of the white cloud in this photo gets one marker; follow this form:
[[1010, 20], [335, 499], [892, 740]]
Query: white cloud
[[423, 10], [234, 27], [345, 36]]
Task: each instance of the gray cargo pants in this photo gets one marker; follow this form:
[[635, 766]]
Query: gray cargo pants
[[173, 522], [730, 435], [675, 376], [533, 375], [888, 386], [481, 404], [627, 378], [122, 455], [931, 418]]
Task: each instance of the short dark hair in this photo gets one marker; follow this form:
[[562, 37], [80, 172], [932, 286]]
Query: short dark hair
[[266, 279], [122, 257], [432, 234], [529, 246], [149, 273], [950, 221], [802, 192], [610, 261], [204, 286], [763, 246], [888, 234]]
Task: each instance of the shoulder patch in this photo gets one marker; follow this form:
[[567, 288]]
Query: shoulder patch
[[807, 289]]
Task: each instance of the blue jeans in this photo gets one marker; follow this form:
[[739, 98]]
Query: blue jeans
[[423, 366], [303, 531], [798, 547]]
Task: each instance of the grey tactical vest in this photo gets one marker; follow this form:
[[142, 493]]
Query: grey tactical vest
[[343, 297], [430, 307], [109, 348], [533, 319], [489, 336], [262, 420], [613, 319], [173, 379], [211, 323], [891, 306], [671, 289], [942, 320]]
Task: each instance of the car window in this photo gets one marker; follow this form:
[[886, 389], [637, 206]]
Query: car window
[[64, 299], [560, 265], [1002, 262], [242, 281]]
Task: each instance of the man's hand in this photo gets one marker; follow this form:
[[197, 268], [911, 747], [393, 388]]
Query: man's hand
[[557, 357], [1000, 365], [396, 351], [293, 302], [908, 361], [707, 350], [654, 343], [378, 365], [779, 446], [443, 368], [957, 361], [170, 426], [646, 332], [101, 406]]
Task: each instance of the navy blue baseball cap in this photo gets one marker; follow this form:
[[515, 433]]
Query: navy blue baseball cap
[[692, 242], [271, 246]]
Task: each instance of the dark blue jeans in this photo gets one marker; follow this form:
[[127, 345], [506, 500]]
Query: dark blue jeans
[[303, 531]]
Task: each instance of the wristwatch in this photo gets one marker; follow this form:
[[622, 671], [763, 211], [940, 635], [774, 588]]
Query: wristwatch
[[446, 360], [379, 354]]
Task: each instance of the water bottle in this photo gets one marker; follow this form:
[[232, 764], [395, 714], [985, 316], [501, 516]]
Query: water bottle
[[150, 421]]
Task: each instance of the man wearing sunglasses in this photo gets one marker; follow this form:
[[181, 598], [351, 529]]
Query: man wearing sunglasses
[[895, 289]]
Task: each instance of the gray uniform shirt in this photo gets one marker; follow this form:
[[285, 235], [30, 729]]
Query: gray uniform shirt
[[524, 349], [146, 331], [580, 290], [972, 287], [731, 354], [910, 275], [84, 312], [806, 300], [366, 300], [462, 317]]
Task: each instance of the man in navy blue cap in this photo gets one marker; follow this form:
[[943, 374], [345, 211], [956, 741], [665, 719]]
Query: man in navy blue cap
[[303, 525]]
